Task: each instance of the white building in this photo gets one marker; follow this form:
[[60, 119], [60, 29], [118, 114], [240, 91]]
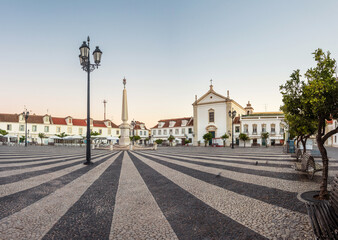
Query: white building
[[333, 140], [180, 128], [141, 130], [254, 124], [211, 114], [14, 124]]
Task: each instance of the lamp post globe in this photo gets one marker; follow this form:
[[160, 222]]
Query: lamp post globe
[[88, 67]]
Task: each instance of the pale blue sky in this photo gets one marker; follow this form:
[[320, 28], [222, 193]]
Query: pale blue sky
[[167, 50]]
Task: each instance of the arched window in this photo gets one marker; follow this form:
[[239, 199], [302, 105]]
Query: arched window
[[254, 129], [248, 112], [211, 115]]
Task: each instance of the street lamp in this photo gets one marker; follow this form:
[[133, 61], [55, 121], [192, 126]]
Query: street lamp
[[133, 123], [88, 67], [232, 115], [25, 115]]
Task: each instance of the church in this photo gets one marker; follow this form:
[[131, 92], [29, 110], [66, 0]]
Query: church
[[211, 114]]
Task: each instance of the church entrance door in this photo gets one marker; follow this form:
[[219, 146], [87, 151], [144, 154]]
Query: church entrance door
[[213, 136]]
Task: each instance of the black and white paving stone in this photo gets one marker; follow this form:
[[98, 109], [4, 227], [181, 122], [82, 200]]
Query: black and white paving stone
[[171, 193]]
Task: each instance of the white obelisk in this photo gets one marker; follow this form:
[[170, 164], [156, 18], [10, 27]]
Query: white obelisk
[[124, 127]]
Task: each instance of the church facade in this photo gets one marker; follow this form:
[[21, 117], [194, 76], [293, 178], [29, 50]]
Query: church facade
[[211, 114]]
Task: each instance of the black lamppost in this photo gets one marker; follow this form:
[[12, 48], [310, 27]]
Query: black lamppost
[[133, 123], [88, 67], [232, 115], [25, 115]]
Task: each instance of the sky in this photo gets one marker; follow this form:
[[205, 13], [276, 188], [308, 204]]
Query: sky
[[167, 50]]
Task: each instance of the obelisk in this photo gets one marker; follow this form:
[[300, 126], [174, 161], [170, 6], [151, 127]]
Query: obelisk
[[124, 127]]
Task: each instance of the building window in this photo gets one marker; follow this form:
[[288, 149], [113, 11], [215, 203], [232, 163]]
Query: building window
[[100, 131], [237, 129], [170, 131], [176, 131], [154, 132], [164, 132], [80, 131], [46, 129], [159, 132], [145, 133], [34, 128], [246, 128], [117, 132], [140, 133], [22, 128], [254, 129], [69, 130], [69, 120], [273, 128], [211, 116], [109, 131], [190, 130], [58, 129], [281, 129], [9, 127], [335, 139], [263, 128], [183, 130]]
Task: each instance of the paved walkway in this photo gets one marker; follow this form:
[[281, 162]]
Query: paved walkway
[[172, 193]]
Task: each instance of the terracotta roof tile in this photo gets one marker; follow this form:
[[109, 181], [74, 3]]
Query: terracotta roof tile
[[79, 122], [4, 117], [178, 122], [59, 121], [97, 123]]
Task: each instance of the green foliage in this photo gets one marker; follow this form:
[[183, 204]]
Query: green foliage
[[244, 137], [186, 141], [301, 123], [225, 136], [62, 135], [3, 132], [265, 135], [159, 141], [22, 139], [42, 135], [171, 138], [94, 133], [207, 137]]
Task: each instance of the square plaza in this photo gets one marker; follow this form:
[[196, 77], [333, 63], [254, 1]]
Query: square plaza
[[171, 193]]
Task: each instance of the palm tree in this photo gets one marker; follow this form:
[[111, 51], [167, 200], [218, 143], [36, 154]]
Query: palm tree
[[3, 132], [207, 137], [42, 136], [265, 136], [224, 137], [62, 135], [243, 137]]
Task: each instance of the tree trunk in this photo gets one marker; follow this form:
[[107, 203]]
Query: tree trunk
[[304, 144], [297, 139], [223, 143], [244, 144], [323, 186]]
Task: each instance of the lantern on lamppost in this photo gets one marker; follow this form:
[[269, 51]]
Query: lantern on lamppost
[[88, 67], [25, 114]]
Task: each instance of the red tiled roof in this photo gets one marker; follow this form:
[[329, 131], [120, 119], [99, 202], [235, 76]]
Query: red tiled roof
[[59, 121], [97, 123], [79, 122], [178, 122], [4, 117]]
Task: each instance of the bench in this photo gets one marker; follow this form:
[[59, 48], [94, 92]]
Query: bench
[[306, 163], [324, 215]]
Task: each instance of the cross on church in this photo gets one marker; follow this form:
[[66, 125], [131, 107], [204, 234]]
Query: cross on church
[[211, 82]]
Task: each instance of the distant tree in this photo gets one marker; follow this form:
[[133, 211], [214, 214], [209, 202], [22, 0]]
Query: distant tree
[[207, 137], [62, 135], [244, 137], [265, 136], [171, 138], [3, 132], [22, 139], [94, 133], [42, 136], [224, 137], [159, 141]]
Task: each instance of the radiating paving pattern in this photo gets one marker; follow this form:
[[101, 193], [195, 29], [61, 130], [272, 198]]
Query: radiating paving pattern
[[172, 193]]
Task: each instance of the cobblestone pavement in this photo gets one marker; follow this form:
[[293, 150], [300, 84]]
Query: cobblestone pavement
[[171, 193]]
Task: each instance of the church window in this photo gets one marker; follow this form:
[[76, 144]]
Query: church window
[[248, 112], [273, 128], [263, 128], [211, 116]]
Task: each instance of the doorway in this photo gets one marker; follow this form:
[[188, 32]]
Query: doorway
[[213, 136]]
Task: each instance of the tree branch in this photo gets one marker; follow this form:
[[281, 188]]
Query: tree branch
[[329, 134]]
